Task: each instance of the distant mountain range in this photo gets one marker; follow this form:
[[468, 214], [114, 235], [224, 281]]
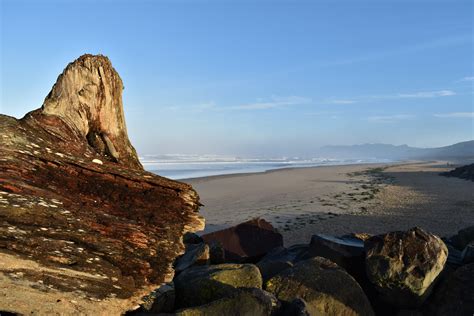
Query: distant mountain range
[[463, 150]]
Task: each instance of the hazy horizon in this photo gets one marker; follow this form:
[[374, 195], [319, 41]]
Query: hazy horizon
[[316, 152], [257, 78]]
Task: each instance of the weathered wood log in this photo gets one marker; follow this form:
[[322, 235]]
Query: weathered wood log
[[83, 228]]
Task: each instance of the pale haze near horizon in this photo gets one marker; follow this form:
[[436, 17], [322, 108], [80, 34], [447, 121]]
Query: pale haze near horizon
[[257, 78]]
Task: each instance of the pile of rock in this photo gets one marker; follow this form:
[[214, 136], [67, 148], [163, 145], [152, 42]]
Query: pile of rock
[[397, 273], [463, 172]]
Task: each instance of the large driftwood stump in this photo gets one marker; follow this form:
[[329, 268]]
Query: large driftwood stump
[[83, 228]]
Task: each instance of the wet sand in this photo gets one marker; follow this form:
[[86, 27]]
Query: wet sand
[[338, 200]]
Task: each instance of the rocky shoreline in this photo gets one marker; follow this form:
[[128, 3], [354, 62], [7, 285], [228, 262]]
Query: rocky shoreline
[[463, 172], [84, 230], [398, 273]]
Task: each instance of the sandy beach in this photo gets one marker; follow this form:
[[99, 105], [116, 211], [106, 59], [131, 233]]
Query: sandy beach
[[338, 200]]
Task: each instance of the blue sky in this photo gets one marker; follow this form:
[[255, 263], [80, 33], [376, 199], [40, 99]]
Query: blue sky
[[257, 77]]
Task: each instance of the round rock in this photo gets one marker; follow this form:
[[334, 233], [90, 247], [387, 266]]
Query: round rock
[[404, 265], [326, 288], [203, 284]]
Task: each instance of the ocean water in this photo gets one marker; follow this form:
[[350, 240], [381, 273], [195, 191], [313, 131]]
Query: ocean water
[[196, 166]]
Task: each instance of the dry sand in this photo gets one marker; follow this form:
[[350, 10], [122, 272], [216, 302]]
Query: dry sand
[[341, 199], [28, 296]]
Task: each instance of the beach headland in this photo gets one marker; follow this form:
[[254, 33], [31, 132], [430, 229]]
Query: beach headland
[[337, 200]]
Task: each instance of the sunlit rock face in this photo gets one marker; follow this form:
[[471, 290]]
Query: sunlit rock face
[[404, 265], [83, 228], [88, 97]]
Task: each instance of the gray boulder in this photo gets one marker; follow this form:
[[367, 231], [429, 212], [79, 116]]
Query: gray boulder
[[203, 284], [347, 252], [196, 254], [325, 287], [336, 247], [280, 259], [403, 266]]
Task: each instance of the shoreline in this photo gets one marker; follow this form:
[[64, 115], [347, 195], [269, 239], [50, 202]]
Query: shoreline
[[231, 175], [341, 199]]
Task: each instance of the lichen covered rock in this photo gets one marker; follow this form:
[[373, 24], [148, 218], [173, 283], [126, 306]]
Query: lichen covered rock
[[404, 265], [253, 302], [323, 285], [201, 285]]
